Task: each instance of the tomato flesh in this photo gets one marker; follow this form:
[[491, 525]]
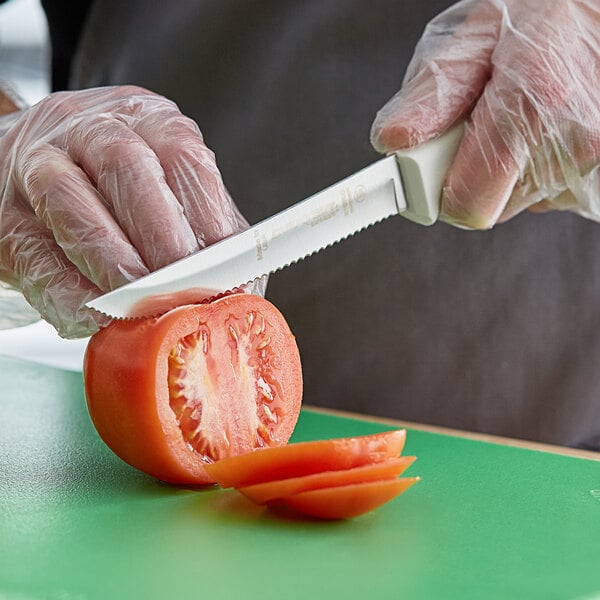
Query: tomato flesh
[[194, 377], [345, 502], [306, 458], [172, 394], [270, 491]]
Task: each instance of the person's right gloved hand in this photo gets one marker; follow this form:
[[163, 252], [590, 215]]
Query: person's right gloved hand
[[523, 74], [100, 187]]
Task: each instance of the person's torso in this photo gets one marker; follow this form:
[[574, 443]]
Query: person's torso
[[493, 331]]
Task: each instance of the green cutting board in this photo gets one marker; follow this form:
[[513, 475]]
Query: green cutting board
[[487, 521]]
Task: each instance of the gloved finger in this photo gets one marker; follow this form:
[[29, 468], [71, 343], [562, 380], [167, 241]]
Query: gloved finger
[[447, 74], [125, 100], [49, 281], [485, 170], [191, 172], [129, 176], [64, 199]]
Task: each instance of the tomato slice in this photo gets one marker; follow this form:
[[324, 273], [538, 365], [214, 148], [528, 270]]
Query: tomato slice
[[347, 501], [170, 395], [261, 493], [306, 458]]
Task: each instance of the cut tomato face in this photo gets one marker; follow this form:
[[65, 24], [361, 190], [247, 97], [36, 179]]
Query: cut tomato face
[[170, 395], [270, 491], [306, 458], [345, 502]]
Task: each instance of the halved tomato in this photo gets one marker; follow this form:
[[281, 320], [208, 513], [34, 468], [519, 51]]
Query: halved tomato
[[261, 493], [172, 394], [347, 501], [306, 458]]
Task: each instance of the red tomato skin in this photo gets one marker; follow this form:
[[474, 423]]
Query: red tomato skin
[[273, 491], [346, 502], [126, 373], [307, 458]]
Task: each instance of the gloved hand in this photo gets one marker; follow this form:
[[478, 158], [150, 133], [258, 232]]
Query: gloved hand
[[524, 74], [98, 188]]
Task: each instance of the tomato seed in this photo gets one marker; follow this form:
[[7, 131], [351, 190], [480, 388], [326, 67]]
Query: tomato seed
[[270, 414], [264, 438], [264, 388], [264, 343]]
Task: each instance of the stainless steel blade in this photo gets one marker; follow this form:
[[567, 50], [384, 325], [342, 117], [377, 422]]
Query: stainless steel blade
[[364, 198]]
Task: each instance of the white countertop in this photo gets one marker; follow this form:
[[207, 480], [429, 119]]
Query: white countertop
[[40, 343]]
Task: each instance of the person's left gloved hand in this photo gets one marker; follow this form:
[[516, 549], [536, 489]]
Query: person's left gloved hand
[[97, 188], [524, 75]]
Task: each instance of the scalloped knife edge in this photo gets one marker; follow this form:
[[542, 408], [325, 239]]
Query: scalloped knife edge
[[407, 183]]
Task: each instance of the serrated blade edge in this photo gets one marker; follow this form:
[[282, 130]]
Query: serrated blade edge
[[347, 207]]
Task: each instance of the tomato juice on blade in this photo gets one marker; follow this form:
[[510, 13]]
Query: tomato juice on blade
[[159, 304]]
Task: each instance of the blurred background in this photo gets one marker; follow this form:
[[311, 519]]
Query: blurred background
[[24, 61], [24, 56]]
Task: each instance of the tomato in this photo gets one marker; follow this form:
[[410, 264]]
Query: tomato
[[347, 501], [201, 383], [269, 491], [306, 458], [331, 479]]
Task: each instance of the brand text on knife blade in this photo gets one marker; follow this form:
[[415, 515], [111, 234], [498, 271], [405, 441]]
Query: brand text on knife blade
[[348, 196]]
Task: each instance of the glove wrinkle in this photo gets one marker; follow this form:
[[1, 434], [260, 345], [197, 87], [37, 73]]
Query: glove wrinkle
[[100, 187]]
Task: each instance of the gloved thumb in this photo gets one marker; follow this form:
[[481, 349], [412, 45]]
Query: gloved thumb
[[446, 76]]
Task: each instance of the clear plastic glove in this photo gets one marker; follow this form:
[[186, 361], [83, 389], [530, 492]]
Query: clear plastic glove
[[524, 73], [100, 187]]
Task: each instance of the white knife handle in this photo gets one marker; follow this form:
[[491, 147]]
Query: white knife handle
[[423, 169]]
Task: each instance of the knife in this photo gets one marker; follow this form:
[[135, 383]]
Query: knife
[[408, 183]]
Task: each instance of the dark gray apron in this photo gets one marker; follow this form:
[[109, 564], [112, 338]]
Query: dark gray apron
[[492, 331]]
